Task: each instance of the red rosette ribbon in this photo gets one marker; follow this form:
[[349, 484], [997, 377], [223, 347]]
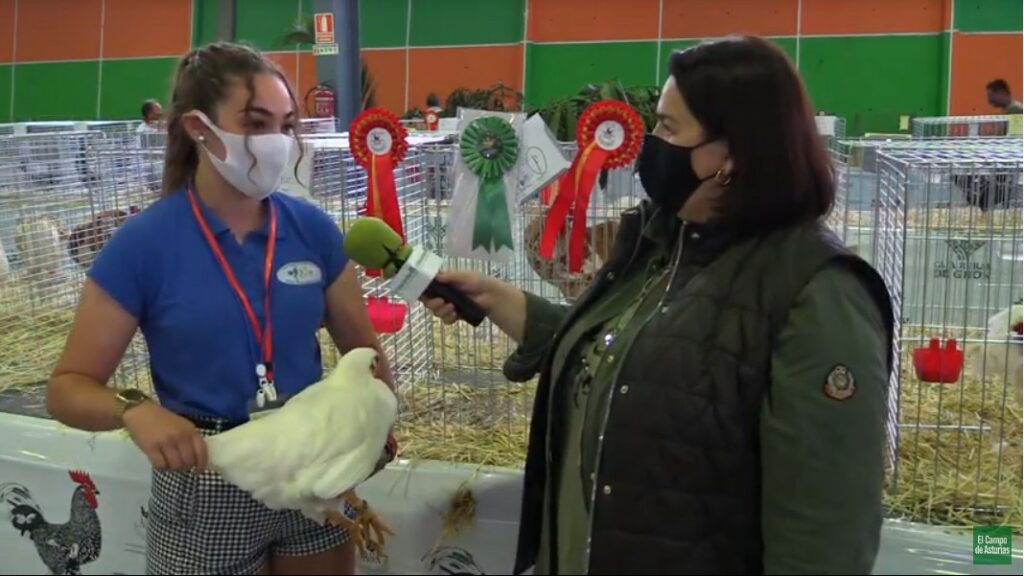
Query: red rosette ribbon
[[377, 140], [609, 134]]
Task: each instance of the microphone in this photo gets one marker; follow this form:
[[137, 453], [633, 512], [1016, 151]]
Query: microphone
[[411, 270]]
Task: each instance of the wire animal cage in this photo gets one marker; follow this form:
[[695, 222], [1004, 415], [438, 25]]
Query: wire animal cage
[[457, 405], [319, 125], [45, 127], [62, 195], [959, 126], [855, 162], [949, 248]]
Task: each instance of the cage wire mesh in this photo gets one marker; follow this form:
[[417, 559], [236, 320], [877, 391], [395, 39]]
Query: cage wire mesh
[[45, 127], [949, 247], [62, 194], [855, 163], [455, 403], [959, 126]]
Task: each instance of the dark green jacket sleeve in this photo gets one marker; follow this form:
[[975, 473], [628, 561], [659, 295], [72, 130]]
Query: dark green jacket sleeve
[[822, 432], [543, 319]]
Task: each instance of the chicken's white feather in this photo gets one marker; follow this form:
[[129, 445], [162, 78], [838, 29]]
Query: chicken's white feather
[[323, 442]]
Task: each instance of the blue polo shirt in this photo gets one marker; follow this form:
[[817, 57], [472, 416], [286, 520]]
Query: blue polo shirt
[[202, 351]]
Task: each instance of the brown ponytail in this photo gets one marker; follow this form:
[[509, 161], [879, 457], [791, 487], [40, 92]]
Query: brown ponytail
[[201, 81]]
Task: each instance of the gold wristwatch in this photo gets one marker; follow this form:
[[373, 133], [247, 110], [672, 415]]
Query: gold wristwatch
[[128, 399]]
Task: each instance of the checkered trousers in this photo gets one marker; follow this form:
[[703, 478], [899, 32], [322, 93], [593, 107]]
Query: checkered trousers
[[198, 523]]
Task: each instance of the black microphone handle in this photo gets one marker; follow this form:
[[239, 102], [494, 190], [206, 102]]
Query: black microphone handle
[[468, 310]]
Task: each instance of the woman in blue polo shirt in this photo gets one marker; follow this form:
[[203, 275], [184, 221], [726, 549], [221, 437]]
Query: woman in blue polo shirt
[[196, 272]]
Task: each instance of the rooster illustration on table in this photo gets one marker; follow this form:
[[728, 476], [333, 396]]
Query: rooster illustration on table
[[63, 548]]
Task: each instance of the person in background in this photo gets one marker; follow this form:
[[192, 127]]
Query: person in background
[[716, 401], [999, 96], [433, 113], [152, 115], [201, 273]]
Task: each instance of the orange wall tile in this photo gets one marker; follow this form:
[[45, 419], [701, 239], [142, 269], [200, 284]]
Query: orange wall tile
[[710, 18], [441, 70], [146, 28], [288, 62], [568, 20], [306, 75], [388, 70], [58, 30], [979, 59], [873, 16], [6, 31]]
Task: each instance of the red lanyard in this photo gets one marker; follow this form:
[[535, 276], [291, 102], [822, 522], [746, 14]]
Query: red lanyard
[[263, 335]]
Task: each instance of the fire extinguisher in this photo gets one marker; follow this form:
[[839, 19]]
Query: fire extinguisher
[[323, 101]]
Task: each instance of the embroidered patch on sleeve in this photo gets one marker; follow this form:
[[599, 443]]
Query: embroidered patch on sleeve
[[840, 384]]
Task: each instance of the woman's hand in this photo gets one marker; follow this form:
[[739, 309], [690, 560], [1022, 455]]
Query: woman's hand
[[168, 440], [504, 304], [483, 290]]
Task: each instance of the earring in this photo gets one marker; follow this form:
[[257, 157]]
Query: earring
[[722, 178], [201, 138]]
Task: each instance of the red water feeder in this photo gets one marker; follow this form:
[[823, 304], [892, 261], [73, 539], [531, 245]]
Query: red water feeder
[[937, 364], [386, 316]]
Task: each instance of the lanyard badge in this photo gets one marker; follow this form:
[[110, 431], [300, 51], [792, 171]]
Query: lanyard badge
[[266, 393]]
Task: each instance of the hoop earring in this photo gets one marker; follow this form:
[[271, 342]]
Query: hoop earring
[[722, 178]]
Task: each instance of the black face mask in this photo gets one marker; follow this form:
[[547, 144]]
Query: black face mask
[[666, 172]]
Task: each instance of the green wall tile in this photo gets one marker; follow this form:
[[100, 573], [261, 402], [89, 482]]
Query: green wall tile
[[127, 83], [559, 70], [263, 23], [382, 23], [459, 22], [204, 22], [56, 91], [861, 79], [988, 15], [788, 45], [5, 92]]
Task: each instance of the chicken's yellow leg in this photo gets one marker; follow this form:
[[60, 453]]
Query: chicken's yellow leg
[[367, 529]]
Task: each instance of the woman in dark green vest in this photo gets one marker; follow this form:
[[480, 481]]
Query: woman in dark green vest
[[715, 402]]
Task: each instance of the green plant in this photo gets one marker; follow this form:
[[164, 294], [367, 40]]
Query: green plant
[[497, 98], [561, 115], [301, 32]]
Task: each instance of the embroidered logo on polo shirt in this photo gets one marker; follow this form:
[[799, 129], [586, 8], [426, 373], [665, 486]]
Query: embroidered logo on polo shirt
[[299, 274]]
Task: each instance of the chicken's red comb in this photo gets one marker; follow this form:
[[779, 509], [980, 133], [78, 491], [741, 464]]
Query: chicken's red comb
[[83, 478]]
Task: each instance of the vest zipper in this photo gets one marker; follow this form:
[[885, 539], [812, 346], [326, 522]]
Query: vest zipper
[[611, 395]]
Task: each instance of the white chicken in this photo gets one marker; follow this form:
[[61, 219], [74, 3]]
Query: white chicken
[[311, 453], [1003, 351]]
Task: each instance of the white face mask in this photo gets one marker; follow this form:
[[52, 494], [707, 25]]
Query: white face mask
[[271, 153]]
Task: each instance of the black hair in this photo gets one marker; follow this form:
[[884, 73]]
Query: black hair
[[433, 100], [148, 107], [998, 85], [746, 91]]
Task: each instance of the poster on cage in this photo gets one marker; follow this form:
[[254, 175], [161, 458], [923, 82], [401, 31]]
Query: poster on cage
[[483, 203]]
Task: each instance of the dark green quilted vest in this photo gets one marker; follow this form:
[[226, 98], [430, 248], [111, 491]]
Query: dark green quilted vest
[[681, 448]]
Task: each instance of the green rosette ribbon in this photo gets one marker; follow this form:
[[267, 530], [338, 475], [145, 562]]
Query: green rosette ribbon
[[489, 148]]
